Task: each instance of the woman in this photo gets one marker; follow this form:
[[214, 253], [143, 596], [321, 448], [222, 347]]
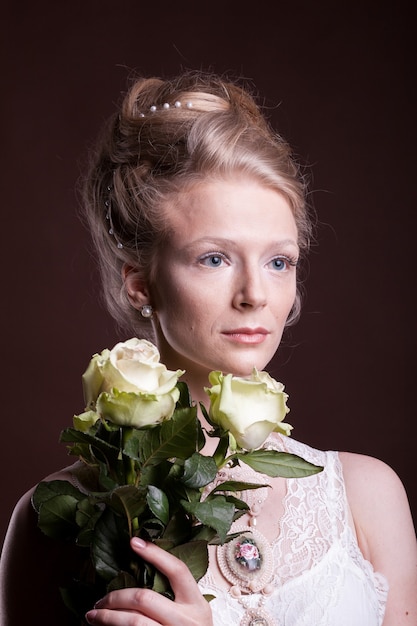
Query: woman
[[197, 210]]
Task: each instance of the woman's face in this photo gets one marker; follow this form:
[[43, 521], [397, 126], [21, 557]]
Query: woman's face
[[226, 278]]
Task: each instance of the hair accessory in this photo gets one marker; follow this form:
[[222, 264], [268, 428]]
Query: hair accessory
[[146, 311], [177, 105], [109, 218]]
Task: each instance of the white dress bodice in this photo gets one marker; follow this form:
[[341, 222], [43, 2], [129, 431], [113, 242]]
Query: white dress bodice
[[320, 575]]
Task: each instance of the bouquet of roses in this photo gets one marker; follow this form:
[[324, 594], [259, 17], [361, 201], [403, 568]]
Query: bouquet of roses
[[141, 472]]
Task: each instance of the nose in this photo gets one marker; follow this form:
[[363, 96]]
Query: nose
[[250, 289]]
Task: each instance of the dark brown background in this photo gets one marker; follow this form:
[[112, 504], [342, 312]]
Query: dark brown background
[[343, 77]]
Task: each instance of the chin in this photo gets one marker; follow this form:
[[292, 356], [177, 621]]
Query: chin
[[245, 369]]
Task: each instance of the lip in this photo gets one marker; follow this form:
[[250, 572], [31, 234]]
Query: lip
[[252, 336]]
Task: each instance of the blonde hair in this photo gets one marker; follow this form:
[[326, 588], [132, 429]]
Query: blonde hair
[[168, 135]]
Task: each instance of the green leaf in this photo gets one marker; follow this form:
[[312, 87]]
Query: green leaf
[[235, 485], [216, 428], [46, 490], [199, 471], [108, 446], [86, 517], [203, 533], [156, 474], [107, 482], [57, 517], [194, 554], [110, 548], [216, 513], [274, 463], [221, 450], [128, 500], [178, 528], [240, 505], [174, 438], [81, 450], [71, 435], [184, 401], [152, 528], [86, 512], [209, 597], [158, 503], [131, 446], [123, 580]]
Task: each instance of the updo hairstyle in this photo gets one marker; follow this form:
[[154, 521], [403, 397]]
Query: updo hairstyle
[[168, 136]]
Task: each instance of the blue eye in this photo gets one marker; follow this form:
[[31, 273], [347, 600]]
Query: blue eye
[[279, 264], [212, 260], [283, 263]]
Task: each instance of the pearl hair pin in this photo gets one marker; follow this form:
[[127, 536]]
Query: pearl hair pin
[[153, 109], [109, 219], [166, 106]]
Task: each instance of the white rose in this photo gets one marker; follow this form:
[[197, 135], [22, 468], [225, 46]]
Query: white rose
[[129, 386], [249, 408]]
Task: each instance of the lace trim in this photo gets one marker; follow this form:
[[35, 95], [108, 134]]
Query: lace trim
[[315, 538]]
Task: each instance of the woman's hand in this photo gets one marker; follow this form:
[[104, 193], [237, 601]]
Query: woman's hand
[[144, 607]]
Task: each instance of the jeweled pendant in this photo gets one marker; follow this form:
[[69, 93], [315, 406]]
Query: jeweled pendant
[[257, 617], [258, 621], [246, 561]]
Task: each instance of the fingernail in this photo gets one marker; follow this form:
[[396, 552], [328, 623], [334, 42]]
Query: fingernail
[[98, 604], [91, 616], [138, 542]]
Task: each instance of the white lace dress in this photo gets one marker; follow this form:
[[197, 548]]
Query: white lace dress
[[320, 576]]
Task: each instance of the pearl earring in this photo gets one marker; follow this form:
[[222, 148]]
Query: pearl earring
[[146, 311]]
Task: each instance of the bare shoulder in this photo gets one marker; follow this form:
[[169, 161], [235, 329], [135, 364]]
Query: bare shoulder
[[48, 564], [376, 495], [22, 525], [367, 476], [370, 482], [385, 530]]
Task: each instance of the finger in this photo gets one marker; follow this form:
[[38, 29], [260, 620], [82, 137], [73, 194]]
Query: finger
[[107, 617], [150, 608], [144, 601], [182, 581]]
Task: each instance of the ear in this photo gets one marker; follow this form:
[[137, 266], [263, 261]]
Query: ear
[[135, 286]]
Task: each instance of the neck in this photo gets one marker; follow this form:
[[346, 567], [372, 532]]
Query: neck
[[196, 384], [196, 388], [196, 379]]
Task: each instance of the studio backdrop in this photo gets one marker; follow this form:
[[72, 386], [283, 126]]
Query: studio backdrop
[[337, 82]]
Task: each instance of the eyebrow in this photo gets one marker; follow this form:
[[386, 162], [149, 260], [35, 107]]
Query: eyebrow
[[232, 242]]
